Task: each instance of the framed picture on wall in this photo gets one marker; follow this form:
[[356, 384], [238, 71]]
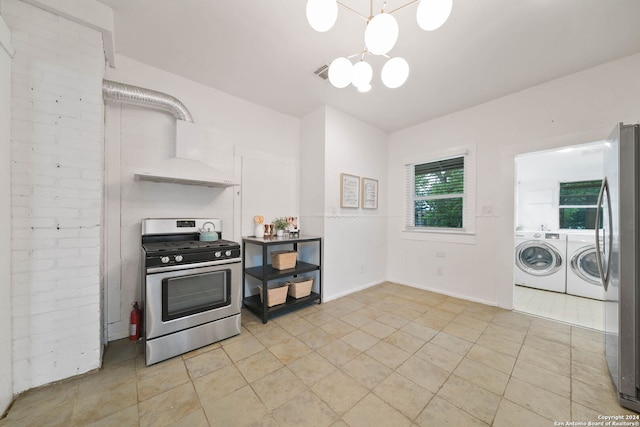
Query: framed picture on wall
[[369, 193], [349, 191]]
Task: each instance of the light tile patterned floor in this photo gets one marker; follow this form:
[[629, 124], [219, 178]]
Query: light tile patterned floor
[[566, 308], [387, 356]]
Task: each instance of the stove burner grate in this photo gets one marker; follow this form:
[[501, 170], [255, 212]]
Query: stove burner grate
[[188, 245]]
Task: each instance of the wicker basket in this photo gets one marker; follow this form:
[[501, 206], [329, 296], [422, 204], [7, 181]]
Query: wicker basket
[[300, 287], [276, 293], [283, 260]]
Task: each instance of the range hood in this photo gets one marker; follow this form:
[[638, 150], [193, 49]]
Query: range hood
[[184, 171], [201, 157]]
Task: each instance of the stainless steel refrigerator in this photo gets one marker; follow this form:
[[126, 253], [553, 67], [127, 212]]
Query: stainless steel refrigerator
[[617, 241]]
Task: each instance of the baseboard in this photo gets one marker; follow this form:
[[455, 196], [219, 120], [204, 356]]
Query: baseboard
[[449, 294], [351, 291]]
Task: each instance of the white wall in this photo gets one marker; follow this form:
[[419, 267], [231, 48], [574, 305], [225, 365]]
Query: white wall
[[266, 144], [538, 178], [312, 172], [6, 365], [354, 239], [578, 108], [56, 189]]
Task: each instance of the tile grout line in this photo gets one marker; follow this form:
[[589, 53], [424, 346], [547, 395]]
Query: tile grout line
[[534, 329]]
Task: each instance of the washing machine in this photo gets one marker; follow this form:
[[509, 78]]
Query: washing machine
[[540, 260], [583, 278]]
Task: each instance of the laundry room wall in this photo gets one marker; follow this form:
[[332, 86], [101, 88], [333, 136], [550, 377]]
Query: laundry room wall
[[576, 109], [538, 178], [266, 148]]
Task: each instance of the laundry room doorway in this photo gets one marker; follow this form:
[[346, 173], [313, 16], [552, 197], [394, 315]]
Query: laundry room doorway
[[555, 275]]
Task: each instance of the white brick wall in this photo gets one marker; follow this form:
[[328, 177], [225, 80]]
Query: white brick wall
[[57, 134], [6, 356]]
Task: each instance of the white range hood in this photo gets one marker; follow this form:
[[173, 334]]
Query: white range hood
[[202, 158], [184, 171]]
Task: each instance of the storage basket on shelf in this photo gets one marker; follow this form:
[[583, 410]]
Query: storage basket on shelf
[[276, 293], [283, 260], [300, 287]]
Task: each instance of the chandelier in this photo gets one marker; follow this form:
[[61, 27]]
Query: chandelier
[[380, 36]]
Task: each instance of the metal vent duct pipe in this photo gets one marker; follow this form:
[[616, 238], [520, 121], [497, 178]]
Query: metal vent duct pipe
[[139, 96]]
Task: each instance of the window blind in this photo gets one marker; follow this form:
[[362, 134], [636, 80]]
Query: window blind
[[438, 178], [435, 194]]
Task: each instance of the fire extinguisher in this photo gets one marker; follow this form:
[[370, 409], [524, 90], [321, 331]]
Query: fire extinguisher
[[134, 322]]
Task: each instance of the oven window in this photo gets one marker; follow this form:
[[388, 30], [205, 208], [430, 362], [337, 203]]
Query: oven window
[[186, 295]]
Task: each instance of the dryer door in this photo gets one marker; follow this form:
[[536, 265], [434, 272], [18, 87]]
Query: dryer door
[[585, 264], [538, 258]]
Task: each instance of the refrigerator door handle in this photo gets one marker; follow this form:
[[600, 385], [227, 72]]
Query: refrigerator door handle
[[607, 240]]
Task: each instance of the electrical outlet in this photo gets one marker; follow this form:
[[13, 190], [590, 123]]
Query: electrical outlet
[[439, 271]]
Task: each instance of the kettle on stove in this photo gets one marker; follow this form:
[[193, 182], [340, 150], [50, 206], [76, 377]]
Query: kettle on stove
[[208, 235]]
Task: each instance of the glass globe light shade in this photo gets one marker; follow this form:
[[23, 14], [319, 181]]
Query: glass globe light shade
[[395, 72], [381, 34], [362, 74], [322, 14], [364, 88], [340, 72], [432, 14]]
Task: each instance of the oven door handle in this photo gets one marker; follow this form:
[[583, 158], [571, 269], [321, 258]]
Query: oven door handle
[[190, 266]]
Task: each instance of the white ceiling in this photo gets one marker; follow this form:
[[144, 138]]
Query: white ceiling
[[264, 50]]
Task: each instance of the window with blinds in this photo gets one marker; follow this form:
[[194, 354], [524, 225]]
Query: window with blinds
[[578, 204], [436, 194]]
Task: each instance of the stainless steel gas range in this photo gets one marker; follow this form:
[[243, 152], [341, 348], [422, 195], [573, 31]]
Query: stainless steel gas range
[[191, 289]]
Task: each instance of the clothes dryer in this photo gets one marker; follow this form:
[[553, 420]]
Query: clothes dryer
[[540, 260], [583, 278]]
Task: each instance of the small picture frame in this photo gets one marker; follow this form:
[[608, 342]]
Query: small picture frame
[[349, 191], [369, 193]]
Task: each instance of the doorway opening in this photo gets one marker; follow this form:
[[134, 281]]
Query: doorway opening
[[555, 275]]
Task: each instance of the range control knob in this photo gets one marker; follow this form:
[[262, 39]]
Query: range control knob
[[164, 259], [178, 258], [228, 253], [217, 254]]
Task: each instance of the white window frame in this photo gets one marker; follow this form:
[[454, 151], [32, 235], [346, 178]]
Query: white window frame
[[560, 206], [466, 234]]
